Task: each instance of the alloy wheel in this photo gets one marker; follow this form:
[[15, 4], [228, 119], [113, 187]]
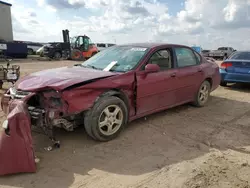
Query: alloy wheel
[[110, 120]]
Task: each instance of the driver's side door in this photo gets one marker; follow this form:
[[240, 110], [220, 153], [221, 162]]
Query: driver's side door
[[156, 91]]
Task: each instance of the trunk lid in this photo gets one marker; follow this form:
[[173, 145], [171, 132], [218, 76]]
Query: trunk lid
[[239, 66]]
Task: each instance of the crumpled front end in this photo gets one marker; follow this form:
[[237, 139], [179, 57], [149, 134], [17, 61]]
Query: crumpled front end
[[16, 147]]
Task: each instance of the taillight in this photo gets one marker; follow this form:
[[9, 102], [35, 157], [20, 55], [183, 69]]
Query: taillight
[[225, 65]]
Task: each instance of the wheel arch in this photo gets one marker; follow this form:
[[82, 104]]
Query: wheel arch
[[210, 80], [119, 94]]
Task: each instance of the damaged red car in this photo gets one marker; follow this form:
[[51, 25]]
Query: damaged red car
[[112, 88]]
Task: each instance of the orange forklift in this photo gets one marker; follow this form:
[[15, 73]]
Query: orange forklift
[[76, 48]]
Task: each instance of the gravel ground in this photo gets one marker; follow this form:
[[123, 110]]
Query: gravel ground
[[181, 147]]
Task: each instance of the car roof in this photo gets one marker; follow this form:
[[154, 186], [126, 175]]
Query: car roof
[[151, 45]]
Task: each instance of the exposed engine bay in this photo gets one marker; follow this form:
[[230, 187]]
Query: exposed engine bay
[[47, 111]]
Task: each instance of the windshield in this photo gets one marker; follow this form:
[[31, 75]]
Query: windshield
[[116, 58], [222, 48], [240, 56]]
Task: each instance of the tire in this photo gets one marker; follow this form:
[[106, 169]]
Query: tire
[[97, 114], [94, 53], [57, 55], [223, 84], [76, 55], [30, 51], [198, 102]]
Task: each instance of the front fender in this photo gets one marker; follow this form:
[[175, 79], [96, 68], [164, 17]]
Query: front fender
[[80, 99]]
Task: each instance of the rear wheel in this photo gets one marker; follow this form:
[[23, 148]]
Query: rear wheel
[[203, 94], [106, 119], [77, 55], [94, 53]]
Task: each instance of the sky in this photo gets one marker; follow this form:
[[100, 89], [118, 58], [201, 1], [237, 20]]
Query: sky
[[207, 23]]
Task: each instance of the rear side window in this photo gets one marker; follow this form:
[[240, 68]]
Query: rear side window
[[185, 57], [240, 56]]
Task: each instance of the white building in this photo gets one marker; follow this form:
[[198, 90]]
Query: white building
[[6, 32]]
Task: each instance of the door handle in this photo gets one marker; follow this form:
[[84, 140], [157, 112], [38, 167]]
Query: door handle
[[173, 75]]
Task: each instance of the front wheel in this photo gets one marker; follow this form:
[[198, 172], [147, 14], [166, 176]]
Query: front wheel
[[106, 119], [203, 94], [57, 55]]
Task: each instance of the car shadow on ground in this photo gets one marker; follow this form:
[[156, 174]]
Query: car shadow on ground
[[146, 145], [242, 87]]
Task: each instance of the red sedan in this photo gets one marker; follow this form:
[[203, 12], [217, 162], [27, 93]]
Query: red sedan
[[114, 87]]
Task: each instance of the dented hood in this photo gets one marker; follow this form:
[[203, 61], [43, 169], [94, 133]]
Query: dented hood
[[60, 78]]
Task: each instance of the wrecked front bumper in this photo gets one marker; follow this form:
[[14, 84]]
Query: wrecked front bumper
[[16, 147]]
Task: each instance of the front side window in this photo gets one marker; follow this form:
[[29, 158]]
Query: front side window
[[162, 58], [185, 57], [116, 58]]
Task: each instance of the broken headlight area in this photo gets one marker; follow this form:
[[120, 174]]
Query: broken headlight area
[[49, 111]]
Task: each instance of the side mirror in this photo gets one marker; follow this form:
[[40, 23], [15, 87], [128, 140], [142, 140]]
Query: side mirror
[[150, 68]]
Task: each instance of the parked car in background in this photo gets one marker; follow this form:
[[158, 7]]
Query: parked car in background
[[33, 47], [205, 53], [221, 52], [55, 50], [41, 50], [103, 46], [236, 69], [114, 87]]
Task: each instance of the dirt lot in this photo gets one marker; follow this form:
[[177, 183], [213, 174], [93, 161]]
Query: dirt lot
[[181, 147]]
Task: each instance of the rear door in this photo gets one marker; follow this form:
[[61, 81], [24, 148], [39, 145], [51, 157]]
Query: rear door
[[190, 73]]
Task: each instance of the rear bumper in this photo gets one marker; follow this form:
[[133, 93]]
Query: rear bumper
[[234, 77]]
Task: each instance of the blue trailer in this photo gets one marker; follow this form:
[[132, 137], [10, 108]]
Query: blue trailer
[[197, 48], [13, 49]]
